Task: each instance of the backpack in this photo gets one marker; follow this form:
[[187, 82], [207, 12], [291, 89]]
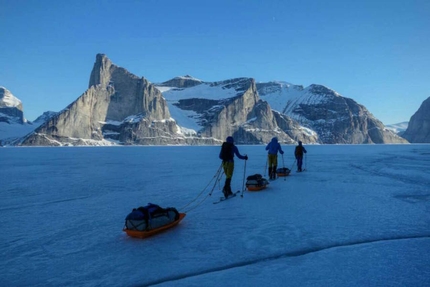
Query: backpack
[[150, 216], [255, 177], [226, 151], [256, 180], [298, 151]]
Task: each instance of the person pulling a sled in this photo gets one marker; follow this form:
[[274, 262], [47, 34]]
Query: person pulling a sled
[[298, 152], [273, 147], [228, 150]]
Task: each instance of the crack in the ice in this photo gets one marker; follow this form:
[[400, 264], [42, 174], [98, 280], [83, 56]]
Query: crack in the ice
[[296, 253], [404, 179]]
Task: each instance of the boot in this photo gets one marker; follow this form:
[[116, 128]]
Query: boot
[[274, 171], [270, 172], [227, 188]]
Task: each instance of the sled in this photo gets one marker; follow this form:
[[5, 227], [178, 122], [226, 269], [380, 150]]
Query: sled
[[256, 182], [282, 172], [148, 233]]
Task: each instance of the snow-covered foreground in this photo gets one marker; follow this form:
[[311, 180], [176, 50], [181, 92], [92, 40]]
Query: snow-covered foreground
[[358, 216]]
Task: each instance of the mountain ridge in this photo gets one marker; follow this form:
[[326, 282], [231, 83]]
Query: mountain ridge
[[122, 108]]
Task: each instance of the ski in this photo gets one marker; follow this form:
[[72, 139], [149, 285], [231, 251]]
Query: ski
[[224, 199]]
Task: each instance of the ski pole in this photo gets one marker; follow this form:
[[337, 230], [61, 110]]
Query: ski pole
[[243, 181], [265, 167], [293, 164]]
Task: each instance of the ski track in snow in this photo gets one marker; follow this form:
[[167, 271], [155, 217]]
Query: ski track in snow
[[24, 206], [297, 253]]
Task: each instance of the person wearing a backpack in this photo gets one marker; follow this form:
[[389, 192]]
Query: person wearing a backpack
[[228, 150], [273, 147], [298, 152]]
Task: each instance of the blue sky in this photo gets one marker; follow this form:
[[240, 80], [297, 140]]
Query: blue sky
[[375, 52]]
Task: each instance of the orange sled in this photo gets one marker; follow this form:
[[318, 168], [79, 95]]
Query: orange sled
[[148, 233], [256, 188], [256, 182], [281, 172]]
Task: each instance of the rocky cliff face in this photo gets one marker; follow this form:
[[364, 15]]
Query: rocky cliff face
[[121, 108], [418, 130], [113, 96], [334, 118], [233, 107]]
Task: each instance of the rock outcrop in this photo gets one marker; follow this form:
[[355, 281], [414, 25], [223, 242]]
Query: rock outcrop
[[418, 130], [114, 95], [233, 107], [121, 108], [334, 118]]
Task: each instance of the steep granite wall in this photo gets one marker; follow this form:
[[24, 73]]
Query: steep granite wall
[[418, 130]]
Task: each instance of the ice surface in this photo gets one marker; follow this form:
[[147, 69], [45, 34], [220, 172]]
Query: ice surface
[[358, 216]]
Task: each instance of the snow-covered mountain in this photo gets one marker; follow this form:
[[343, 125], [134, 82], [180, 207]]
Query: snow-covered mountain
[[230, 107], [398, 128], [315, 114], [10, 108], [13, 125], [122, 108], [336, 119]]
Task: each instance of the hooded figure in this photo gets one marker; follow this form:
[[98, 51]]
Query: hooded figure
[[273, 147], [228, 150], [298, 153]]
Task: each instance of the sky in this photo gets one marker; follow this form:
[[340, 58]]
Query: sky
[[375, 52], [339, 223]]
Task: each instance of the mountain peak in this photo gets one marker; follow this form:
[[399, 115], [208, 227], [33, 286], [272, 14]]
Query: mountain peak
[[100, 72], [182, 82], [7, 99], [322, 90]]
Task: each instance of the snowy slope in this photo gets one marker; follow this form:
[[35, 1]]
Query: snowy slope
[[398, 128], [285, 97], [9, 132], [188, 120], [7, 99], [12, 125], [12, 131]]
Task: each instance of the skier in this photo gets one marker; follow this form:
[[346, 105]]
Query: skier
[[273, 147], [228, 150], [298, 152]]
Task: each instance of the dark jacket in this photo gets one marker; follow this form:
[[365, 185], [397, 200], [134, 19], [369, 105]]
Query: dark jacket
[[273, 147], [298, 152], [230, 149]]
